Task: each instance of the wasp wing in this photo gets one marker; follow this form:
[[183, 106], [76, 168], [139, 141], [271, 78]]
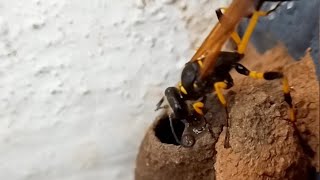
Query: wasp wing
[[220, 34]]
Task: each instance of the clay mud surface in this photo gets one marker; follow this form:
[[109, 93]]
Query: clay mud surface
[[264, 143]]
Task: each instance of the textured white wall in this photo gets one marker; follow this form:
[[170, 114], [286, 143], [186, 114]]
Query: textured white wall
[[79, 81]]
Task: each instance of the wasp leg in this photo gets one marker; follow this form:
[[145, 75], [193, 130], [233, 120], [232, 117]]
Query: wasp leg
[[208, 125], [234, 35], [173, 131], [249, 30], [271, 75], [254, 17], [260, 3], [158, 106], [198, 106], [243, 43], [274, 9], [218, 86]]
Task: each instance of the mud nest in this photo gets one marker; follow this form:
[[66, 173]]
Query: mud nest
[[264, 145]]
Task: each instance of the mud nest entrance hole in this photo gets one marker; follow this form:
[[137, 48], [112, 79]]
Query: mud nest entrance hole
[[163, 130]]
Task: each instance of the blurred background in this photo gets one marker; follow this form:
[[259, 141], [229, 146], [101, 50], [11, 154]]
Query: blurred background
[[79, 80]]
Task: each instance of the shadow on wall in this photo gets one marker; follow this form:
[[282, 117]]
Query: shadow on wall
[[294, 23]]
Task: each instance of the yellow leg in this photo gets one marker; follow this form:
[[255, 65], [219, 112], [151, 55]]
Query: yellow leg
[[256, 75], [271, 76], [198, 107], [243, 43], [288, 99], [218, 86], [252, 24], [236, 38]]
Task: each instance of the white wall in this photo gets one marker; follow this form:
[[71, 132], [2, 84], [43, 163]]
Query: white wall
[[79, 81]]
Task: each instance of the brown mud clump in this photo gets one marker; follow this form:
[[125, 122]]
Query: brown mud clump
[[161, 158], [264, 143]]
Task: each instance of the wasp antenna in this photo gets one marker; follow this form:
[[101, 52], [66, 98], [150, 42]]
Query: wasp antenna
[[173, 131], [227, 137], [158, 106], [275, 8]]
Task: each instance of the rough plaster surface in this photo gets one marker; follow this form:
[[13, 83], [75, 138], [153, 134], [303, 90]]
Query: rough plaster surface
[[79, 81]]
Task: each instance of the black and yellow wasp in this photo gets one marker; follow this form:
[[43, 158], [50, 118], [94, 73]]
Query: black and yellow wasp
[[185, 102]]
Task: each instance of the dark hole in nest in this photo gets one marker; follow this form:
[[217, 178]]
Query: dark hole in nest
[[163, 130]]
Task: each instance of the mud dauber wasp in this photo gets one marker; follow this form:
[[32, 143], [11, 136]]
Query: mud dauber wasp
[[186, 101]]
